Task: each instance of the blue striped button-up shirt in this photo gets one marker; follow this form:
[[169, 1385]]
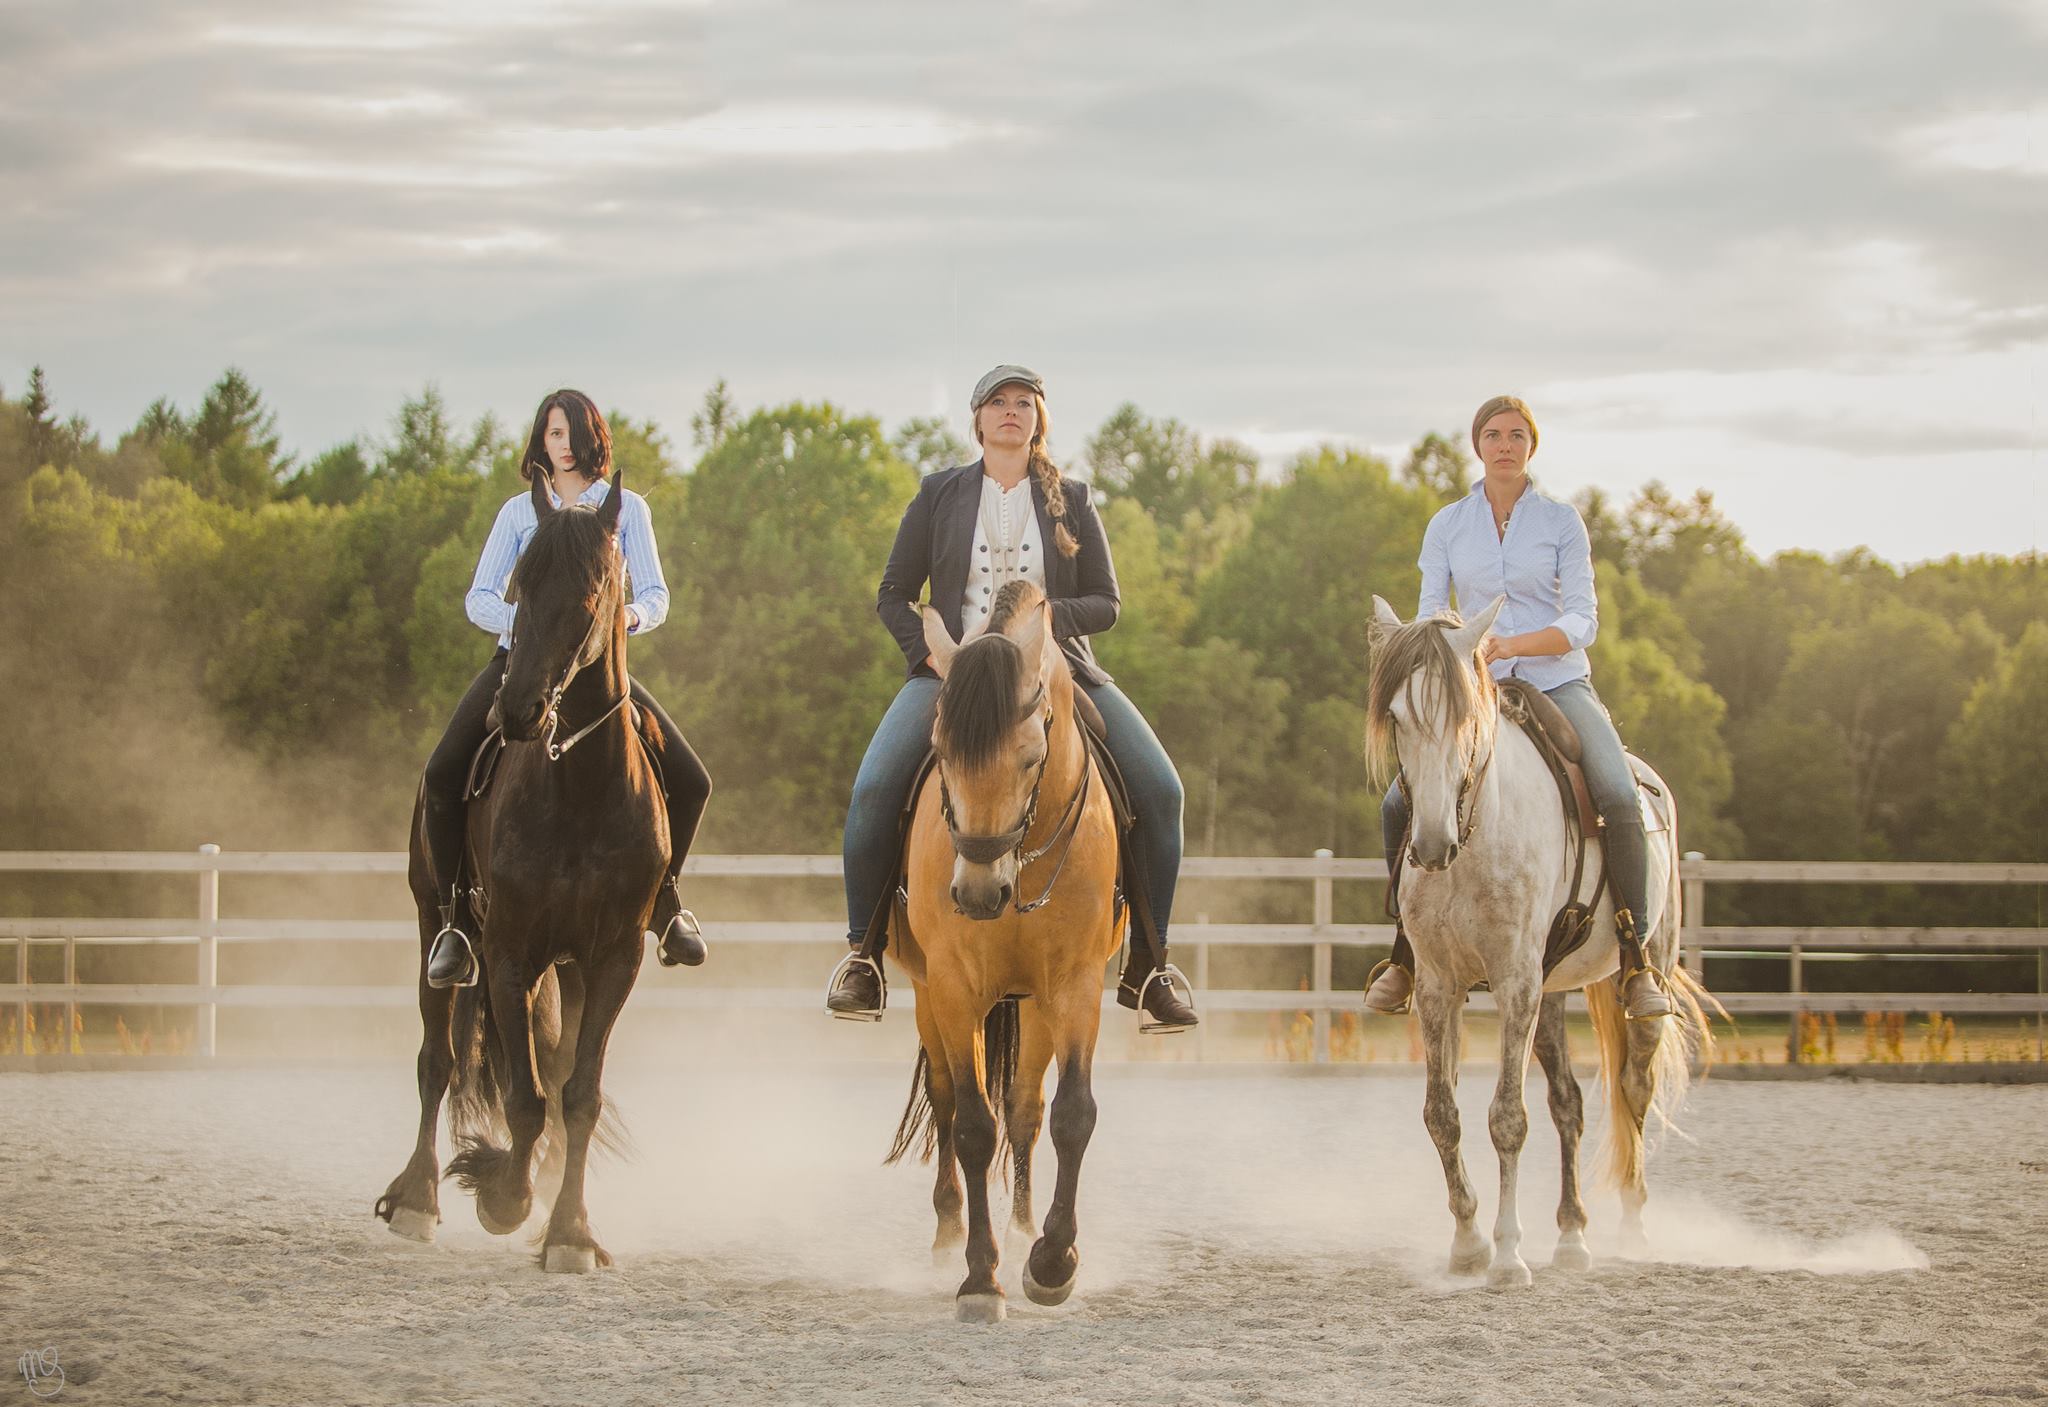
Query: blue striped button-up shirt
[[486, 602], [1543, 565]]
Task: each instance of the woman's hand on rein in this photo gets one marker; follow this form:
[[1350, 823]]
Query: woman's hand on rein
[[1496, 647]]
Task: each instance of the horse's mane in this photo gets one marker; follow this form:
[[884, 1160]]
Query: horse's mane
[[978, 700], [1422, 648], [571, 543]]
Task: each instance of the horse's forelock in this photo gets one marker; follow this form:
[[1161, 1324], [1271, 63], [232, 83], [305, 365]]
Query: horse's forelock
[[1422, 649], [571, 543], [978, 700]]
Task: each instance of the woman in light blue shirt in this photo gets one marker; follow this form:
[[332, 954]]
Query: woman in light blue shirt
[[571, 446], [1506, 539]]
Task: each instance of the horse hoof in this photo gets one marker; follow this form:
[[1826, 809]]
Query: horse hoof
[[1471, 1260], [412, 1224], [494, 1225], [980, 1309], [569, 1260], [1047, 1295], [1572, 1255], [1508, 1275]]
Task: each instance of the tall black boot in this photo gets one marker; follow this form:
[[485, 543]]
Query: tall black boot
[[451, 962], [681, 941]]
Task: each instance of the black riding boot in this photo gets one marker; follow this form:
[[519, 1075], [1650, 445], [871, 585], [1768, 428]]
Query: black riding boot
[[451, 962], [1642, 991], [681, 941]]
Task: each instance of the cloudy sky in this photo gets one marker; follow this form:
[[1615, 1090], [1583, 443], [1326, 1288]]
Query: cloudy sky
[[1787, 252]]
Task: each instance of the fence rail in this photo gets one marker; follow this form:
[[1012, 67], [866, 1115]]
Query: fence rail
[[207, 930]]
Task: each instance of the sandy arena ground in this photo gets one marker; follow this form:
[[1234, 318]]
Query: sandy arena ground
[[207, 1238]]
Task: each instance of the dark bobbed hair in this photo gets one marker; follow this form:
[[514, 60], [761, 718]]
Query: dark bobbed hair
[[589, 436]]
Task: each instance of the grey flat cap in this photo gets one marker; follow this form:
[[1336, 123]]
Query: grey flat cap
[[1000, 377]]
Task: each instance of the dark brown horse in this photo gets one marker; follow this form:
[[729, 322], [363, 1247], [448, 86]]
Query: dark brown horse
[[566, 851]]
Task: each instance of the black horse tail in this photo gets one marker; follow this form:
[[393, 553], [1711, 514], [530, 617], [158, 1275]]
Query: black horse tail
[[1001, 1034], [476, 1094]]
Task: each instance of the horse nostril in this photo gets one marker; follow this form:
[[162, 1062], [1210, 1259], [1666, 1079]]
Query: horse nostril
[[1451, 855], [1003, 897]]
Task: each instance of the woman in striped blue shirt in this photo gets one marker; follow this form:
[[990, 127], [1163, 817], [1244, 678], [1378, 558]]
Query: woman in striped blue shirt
[[570, 445], [1506, 539]]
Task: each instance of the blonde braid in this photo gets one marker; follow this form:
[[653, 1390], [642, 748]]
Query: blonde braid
[[1051, 485]]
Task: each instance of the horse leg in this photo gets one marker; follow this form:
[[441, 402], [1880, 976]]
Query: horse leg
[[504, 1178], [558, 1007], [1639, 1089], [569, 1245], [1049, 1270], [1568, 1113], [1438, 1009], [951, 1233], [411, 1205], [979, 1299], [1027, 1111], [1517, 999]]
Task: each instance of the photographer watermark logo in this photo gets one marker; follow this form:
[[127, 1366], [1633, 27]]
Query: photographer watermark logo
[[42, 1373]]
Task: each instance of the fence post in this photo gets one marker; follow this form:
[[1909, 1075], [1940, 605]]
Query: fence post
[[1691, 955], [28, 1045], [71, 1001], [1797, 985], [1319, 978], [209, 950]]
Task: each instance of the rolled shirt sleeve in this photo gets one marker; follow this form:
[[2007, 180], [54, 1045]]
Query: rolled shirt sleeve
[[1581, 619], [649, 607], [1435, 562]]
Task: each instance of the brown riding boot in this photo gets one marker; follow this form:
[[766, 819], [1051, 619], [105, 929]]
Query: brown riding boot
[[858, 990], [1642, 991], [1157, 993], [1391, 984]]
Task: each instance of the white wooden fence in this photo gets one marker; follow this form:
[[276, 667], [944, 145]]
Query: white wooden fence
[[208, 929]]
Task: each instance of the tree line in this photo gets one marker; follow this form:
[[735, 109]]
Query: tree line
[[217, 639]]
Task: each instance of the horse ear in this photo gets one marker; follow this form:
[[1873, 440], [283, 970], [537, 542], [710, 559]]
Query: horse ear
[[1384, 623], [543, 507], [608, 511], [1031, 636], [1465, 639], [937, 639]]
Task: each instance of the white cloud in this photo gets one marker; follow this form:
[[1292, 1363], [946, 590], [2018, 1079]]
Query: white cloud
[[2013, 141]]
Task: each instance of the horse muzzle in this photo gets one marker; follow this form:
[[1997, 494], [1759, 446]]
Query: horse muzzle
[[983, 891], [1431, 859]]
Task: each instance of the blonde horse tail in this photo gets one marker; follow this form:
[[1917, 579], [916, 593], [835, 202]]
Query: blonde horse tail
[[1624, 1135]]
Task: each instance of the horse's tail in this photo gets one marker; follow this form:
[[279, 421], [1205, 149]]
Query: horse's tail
[[1681, 1041], [1001, 1037], [476, 1099]]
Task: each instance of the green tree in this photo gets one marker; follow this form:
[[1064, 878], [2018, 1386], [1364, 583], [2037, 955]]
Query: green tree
[[772, 655], [927, 444], [1994, 761], [1440, 467]]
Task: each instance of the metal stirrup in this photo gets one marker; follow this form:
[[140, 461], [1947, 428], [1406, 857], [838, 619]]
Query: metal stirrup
[[1174, 978], [846, 963]]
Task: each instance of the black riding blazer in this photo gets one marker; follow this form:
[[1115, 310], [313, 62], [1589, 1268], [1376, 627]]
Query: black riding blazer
[[936, 538]]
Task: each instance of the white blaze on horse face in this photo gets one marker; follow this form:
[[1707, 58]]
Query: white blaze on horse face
[[1432, 765]]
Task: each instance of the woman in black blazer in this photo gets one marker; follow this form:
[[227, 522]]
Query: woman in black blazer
[[969, 530]]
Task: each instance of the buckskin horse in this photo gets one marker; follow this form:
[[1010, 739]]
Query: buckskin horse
[[1009, 920], [566, 848], [1491, 869]]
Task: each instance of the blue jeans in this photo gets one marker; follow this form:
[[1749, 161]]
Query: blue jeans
[[1608, 778], [881, 789]]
